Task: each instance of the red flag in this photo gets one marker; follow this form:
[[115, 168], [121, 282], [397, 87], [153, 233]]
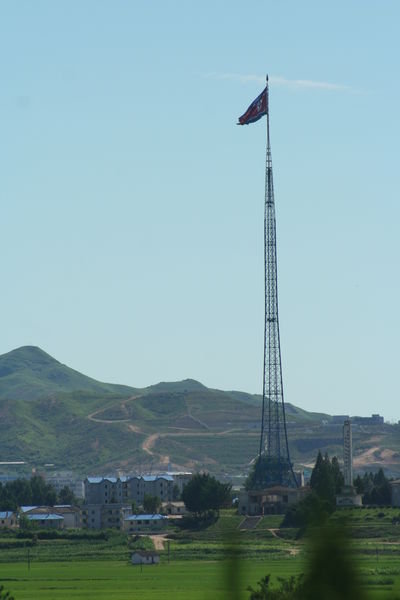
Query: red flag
[[257, 109]]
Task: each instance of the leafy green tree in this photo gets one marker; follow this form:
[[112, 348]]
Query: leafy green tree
[[67, 496], [151, 504], [176, 493], [204, 493], [312, 511], [374, 487], [337, 475], [323, 479], [42, 492]]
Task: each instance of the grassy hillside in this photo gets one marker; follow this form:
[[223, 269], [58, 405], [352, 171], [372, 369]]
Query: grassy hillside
[[50, 413], [28, 373]]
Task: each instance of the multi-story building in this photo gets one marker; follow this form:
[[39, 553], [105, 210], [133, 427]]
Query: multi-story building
[[114, 490], [101, 516]]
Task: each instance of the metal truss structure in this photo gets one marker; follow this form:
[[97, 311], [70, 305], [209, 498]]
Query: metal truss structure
[[274, 458]]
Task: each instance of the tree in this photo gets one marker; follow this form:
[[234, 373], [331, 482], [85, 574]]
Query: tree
[[176, 493], [337, 475], [312, 511], [204, 493], [323, 479], [375, 488], [66, 496], [151, 504]]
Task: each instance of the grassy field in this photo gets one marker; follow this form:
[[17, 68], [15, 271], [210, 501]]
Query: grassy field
[[180, 580], [208, 563], [189, 580]]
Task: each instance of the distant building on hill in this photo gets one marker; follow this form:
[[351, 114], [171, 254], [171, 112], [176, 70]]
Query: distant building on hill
[[372, 420]]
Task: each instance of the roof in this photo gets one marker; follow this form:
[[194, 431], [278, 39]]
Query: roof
[[25, 509], [156, 477], [6, 514], [101, 479], [156, 517], [45, 517]]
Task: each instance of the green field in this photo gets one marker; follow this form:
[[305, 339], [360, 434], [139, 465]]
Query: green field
[[211, 563], [180, 580]]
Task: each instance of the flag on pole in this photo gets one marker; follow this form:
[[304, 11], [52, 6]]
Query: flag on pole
[[257, 109]]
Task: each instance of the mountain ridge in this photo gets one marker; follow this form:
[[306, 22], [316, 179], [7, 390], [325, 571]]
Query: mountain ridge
[[50, 413]]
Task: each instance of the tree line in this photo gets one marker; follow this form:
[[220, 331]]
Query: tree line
[[34, 491]]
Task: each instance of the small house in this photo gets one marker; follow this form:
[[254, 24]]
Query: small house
[[143, 557], [46, 520], [174, 508], [8, 519], [139, 523]]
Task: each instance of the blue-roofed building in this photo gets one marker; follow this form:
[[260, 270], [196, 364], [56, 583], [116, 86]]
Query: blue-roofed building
[[8, 519], [119, 490], [47, 520], [138, 523]]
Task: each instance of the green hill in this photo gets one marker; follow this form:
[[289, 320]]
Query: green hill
[[28, 373], [50, 413]]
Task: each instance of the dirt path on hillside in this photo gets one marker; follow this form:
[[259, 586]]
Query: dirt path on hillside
[[92, 416]]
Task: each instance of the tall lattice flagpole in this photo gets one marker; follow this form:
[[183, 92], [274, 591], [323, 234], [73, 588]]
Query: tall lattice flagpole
[[273, 440]]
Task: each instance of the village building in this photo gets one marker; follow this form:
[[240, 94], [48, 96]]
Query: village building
[[8, 519], [117, 490], [271, 500], [46, 520], [71, 514], [142, 557], [144, 523], [104, 516], [174, 508]]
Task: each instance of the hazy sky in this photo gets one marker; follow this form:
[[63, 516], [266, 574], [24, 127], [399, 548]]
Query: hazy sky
[[132, 205]]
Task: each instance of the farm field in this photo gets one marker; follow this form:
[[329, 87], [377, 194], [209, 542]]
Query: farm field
[[181, 580], [209, 562]]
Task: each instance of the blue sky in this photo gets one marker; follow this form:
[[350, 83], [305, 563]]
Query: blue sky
[[132, 205]]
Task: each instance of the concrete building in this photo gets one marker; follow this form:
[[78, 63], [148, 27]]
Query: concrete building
[[103, 490], [46, 520], [272, 500], [71, 514], [143, 523], [8, 519], [117, 490], [142, 557], [105, 516], [176, 508]]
